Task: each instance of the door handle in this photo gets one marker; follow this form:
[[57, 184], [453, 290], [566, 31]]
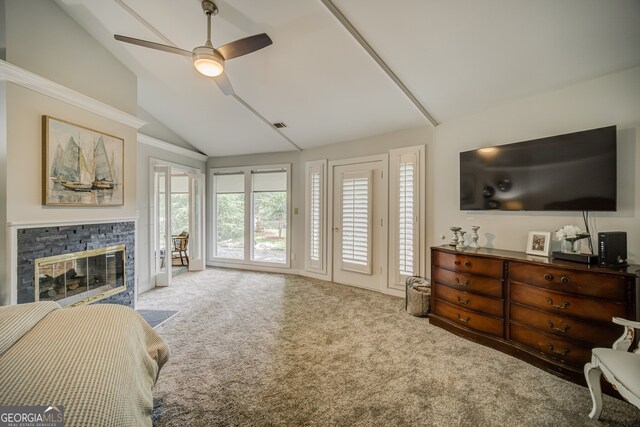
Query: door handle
[[336, 229]]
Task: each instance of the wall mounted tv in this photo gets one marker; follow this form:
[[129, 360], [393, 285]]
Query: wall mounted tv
[[570, 172]]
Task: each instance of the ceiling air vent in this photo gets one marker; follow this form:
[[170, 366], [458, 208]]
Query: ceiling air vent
[[280, 125]]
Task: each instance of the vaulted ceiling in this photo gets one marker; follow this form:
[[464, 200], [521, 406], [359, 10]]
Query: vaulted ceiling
[[455, 57]]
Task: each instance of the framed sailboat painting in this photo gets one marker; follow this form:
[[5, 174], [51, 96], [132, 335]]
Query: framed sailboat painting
[[81, 166]]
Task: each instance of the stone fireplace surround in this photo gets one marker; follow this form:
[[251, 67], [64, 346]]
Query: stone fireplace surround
[[45, 241]]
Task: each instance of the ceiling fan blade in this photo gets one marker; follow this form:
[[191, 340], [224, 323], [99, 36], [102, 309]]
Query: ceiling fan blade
[[152, 45], [224, 84], [243, 46]]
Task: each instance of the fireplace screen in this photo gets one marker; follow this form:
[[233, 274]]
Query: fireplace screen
[[81, 277]]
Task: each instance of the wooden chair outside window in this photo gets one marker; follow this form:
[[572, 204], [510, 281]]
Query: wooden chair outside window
[[179, 250]]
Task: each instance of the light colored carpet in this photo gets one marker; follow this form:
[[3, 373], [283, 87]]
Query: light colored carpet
[[259, 349]]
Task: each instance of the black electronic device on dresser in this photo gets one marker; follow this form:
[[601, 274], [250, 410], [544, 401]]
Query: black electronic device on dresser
[[612, 249]]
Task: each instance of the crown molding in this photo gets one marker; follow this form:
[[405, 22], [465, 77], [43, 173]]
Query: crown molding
[[14, 74], [60, 223], [153, 142]]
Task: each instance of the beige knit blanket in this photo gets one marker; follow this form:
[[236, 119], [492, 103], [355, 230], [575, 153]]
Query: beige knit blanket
[[98, 361]]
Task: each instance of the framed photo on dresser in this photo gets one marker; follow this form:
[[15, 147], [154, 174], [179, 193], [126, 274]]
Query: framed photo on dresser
[[539, 243]]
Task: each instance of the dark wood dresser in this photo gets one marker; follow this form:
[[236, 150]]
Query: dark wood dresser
[[547, 312]]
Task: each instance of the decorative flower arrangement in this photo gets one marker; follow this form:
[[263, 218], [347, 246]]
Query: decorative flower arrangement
[[571, 234]]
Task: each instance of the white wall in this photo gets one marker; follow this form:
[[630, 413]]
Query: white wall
[[362, 147], [145, 154], [46, 41], [4, 244], [42, 39], [610, 100], [24, 149]]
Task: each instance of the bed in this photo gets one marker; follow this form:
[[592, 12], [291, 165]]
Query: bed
[[99, 362]]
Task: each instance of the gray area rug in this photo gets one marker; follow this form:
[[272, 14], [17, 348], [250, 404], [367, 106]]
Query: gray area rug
[[156, 317], [259, 349]]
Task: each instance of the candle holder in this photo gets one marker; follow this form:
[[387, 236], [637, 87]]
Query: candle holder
[[461, 245], [474, 237], [454, 239]]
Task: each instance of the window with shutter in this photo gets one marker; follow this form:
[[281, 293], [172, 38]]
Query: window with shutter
[[406, 215], [356, 221], [314, 249], [406, 219], [315, 216]]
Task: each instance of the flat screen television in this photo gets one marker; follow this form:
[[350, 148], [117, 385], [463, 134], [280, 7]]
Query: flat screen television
[[570, 172]]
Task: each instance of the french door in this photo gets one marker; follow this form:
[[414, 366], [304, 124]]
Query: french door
[[359, 223], [196, 224], [161, 225], [161, 221]]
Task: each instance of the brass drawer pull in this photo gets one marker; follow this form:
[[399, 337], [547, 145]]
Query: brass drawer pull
[[463, 319], [563, 329], [463, 301], [456, 262], [561, 352], [548, 277], [564, 305], [565, 279], [467, 263], [463, 283]]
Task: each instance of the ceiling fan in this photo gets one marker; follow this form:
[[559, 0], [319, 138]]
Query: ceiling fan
[[207, 59]]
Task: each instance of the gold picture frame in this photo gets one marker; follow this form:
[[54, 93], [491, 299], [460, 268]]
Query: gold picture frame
[[80, 166]]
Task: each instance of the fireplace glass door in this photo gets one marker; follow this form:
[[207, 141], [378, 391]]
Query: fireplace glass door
[[81, 277]]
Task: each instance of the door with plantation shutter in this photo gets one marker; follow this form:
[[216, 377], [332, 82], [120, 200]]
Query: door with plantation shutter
[[359, 197]]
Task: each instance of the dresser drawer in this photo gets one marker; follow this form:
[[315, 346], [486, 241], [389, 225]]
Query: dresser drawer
[[469, 264], [571, 281], [470, 301], [469, 319], [597, 336], [563, 304], [557, 348], [468, 282]]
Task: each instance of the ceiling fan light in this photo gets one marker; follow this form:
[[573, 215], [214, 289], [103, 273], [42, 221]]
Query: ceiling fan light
[[208, 63]]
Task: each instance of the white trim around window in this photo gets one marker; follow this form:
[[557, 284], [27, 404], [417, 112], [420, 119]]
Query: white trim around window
[[249, 224], [316, 216], [407, 219]]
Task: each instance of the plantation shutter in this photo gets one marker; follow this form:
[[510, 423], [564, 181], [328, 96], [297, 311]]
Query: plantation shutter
[[315, 216], [407, 217], [314, 249], [356, 221]]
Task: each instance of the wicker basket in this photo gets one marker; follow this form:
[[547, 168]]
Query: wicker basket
[[418, 294]]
